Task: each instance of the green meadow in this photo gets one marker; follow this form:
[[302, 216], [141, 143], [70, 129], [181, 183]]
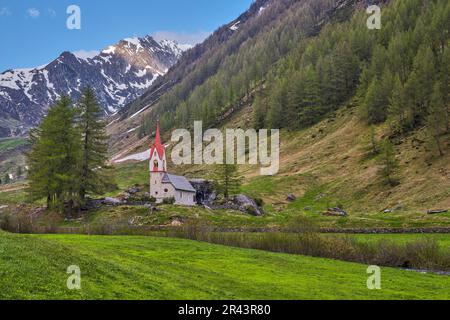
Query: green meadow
[[132, 267]]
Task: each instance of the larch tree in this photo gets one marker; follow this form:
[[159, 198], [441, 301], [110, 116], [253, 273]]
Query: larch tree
[[437, 118], [55, 157], [389, 164], [95, 176], [227, 180], [397, 110]]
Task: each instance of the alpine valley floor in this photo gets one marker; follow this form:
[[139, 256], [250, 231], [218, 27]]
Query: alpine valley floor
[[130, 267]]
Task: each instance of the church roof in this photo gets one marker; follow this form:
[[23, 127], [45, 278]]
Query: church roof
[[157, 145], [179, 183]]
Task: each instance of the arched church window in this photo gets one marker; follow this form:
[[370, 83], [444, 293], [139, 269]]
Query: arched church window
[[155, 164]]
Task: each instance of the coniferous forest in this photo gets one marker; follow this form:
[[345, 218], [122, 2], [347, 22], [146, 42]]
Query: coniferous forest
[[68, 156], [398, 74]]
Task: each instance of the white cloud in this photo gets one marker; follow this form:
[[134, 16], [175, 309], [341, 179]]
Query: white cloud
[[182, 37], [33, 12], [5, 11]]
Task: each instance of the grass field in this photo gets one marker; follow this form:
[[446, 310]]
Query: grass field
[[12, 193], [11, 143], [34, 267]]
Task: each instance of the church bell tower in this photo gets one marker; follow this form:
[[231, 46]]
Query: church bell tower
[[158, 167]]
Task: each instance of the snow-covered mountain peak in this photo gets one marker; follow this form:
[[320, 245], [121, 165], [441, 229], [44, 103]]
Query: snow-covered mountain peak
[[119, 74]]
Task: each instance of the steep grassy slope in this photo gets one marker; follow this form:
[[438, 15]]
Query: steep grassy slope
[[11, 155], [332, 161], [328, 164], [34, 267], [230, 59]]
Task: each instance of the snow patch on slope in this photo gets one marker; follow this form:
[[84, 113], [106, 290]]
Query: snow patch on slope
[[143, 156], [235, 26]]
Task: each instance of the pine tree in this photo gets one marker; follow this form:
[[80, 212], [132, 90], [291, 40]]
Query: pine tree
[[444, 77], [293, 104], [437, 118], [95, 177], [398, 110], [227, 180], [389, 164], [374, 103], [275, 115], [19, 171], [54, 158], [373, 143], [421, 83], [311, 105], [259, 113]]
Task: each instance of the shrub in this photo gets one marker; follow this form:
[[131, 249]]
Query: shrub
[[169, 200]]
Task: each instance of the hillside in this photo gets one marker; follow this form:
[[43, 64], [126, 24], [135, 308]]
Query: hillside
[[12, 155], [233, 49], [326, 165], [320, 92], [146, 268]]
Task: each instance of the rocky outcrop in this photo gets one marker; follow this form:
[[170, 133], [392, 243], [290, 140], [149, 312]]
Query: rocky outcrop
[[247, 205], [335, 212], [206, 194], [112, 202]]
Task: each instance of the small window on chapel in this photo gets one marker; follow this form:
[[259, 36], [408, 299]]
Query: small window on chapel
[[165, 190]]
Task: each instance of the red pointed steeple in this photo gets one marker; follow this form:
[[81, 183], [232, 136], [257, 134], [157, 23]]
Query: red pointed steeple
[[157, 145]]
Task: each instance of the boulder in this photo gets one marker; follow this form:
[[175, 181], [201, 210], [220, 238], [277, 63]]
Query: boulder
[[291, 198], [176, 223], [176, 220], [112, 202], [335, 212], [437, 211], [3, 207], [92, 204], [126, 195], [397, 207], [248, 205], [133, 190]]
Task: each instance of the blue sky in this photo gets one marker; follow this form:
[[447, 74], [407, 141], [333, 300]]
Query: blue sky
[[34, 32]]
